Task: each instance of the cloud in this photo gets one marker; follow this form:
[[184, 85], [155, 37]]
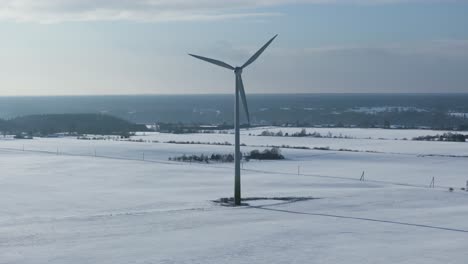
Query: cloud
[[430, 66], [53, 11], [448, 49], [422, 66]]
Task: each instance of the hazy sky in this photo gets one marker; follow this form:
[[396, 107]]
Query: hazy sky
[[51, 47]]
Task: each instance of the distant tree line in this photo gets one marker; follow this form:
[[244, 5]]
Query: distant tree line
[[44, 125], [302, 133], [204, 158], [267, 154], [453, 137], [190, 128], [200, 143], [434, 119]]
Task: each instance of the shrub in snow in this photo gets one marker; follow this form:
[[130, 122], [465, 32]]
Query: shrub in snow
[[322, 148], [267, 133], [268, 154], [453, 137], [204, 158]]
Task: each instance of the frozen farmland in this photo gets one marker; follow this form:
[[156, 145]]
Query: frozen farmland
[[376, 199]]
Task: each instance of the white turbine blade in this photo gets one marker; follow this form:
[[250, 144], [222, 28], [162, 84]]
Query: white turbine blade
[[259, 52], [217, 62], [240, 85]]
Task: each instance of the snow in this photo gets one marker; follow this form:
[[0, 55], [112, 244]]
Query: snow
[[380, 109], [461, 115], [358, 133], [70, 206]]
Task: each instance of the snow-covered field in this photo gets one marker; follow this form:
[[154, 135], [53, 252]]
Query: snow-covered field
[[359, 133], [95, 201]]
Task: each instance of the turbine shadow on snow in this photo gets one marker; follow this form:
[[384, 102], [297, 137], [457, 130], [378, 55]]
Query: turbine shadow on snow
[[281, 200], [265, 207]]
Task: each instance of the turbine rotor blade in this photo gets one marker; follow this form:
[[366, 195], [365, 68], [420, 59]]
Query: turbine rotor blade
[[240, 85], [259, 52], [217, 62]]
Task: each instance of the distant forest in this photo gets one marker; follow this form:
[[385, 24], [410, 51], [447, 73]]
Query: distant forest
[[43, 125], [438, 111]]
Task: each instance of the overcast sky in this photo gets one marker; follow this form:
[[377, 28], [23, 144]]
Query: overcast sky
[[61, 47]]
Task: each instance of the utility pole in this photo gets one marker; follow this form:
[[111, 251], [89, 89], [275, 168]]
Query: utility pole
[[432, 185]]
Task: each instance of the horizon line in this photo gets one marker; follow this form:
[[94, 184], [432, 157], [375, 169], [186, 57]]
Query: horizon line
[[229, 94]]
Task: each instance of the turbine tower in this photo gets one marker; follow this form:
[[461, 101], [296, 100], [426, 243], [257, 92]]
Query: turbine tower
[[239, 92]]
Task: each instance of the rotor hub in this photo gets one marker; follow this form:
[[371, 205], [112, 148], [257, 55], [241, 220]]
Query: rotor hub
[[238, 70]]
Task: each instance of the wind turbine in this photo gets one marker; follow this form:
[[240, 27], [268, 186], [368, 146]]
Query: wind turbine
[[239, 91]]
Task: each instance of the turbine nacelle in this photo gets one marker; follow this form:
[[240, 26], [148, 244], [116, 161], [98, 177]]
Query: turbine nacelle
[[238, 70]]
